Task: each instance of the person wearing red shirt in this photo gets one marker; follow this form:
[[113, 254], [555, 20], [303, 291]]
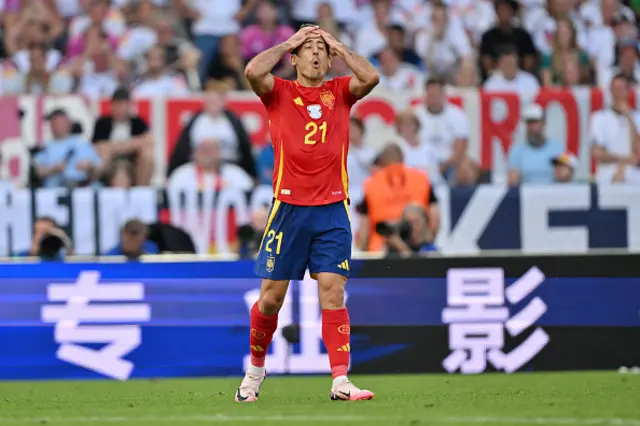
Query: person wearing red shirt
[[308, 225]]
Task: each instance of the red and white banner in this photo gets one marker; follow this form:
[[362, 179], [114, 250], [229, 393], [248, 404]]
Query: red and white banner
[[494, 120]]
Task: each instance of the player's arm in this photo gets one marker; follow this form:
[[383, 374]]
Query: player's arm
[[365, 76], [258, 70]]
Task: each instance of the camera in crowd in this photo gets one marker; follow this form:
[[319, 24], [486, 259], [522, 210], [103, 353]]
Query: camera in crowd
[[410, 235]]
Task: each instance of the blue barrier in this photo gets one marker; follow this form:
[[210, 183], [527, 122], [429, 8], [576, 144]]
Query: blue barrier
[[192, 318]]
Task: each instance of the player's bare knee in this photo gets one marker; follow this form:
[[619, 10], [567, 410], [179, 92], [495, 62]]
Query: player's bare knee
[[331, 290], [272, 296]]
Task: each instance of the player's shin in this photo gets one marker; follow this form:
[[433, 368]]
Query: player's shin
[[262, 329], [336, 334]]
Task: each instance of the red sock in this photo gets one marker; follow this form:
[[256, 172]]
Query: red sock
[[262, 329], [336, 334]]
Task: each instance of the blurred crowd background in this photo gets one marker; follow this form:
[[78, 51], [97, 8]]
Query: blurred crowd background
[[129, 49]]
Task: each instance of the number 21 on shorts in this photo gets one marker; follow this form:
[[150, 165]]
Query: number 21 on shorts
[[271, 235], [312, 128]]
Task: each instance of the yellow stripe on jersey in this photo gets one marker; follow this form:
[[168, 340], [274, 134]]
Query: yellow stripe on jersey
[[345, 177], [276, 190], [272, 215], [346, 207], [298, 101]]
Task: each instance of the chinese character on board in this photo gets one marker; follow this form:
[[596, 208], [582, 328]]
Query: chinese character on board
[[477, 315], [113, 322]]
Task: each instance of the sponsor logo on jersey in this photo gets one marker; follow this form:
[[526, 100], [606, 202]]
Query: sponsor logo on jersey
[[315, 111]]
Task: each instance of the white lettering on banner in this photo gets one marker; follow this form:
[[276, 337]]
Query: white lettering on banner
[[463, 237], [625, 197], [15, 221], [536, 202], [477, 317], [310, 360], [118, 340]]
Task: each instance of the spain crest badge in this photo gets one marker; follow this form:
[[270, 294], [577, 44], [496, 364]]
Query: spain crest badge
[[328, 99]]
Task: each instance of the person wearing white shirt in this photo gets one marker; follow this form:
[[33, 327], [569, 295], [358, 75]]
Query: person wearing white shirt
[[158, 82], [372, 37], [359, 160], [417, 154], [214, 19], [509, 77], [443, 126], [395, 74], [208, 171], [614, 134], [441, 47]]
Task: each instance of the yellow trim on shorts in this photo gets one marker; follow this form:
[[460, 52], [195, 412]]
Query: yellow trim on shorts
[[274, 210], [346, 207]]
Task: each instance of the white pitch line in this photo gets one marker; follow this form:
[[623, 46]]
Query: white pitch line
[[221, 418]]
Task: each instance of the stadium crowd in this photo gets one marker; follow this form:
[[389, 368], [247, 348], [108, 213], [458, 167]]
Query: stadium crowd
[[128, 49]]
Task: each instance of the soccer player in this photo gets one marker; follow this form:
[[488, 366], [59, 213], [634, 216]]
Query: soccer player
[[308, 225]]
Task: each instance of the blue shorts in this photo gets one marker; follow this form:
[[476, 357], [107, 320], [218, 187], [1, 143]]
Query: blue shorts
[[298, 238]]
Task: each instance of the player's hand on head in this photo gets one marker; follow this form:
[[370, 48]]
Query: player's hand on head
[[301, 36], [330, 40]]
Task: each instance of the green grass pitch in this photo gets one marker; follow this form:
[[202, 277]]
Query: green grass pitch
[[484, 400]]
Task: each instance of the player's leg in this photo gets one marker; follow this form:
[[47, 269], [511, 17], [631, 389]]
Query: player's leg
[[282, 257], [264, 323], [329, 263]]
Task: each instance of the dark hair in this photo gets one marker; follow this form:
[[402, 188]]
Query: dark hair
[[295, 51], [396, 27], [434, 81], [621, 76], [357, 121], [507, 50]]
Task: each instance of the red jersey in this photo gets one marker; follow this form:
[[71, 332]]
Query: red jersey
[[310, 135]]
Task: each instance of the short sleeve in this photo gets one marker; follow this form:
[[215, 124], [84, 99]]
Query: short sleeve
[[138, 126], [272, 97], [461, 128], [343, 83], [515, 158], [102, 130]]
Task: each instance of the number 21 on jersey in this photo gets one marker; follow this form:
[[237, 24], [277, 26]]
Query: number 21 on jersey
[[312, 129]]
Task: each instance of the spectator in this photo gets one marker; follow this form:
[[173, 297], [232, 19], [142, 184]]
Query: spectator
[[37, 81], [215, 19], [98, 13], [121, 175], [158, 81], [34, 33], [509, 78], [305, 11], [607, 21], [443, 127], [215, 122], [530, 161], [564, 167], [180, 54], [359, 160], [67, 160], [266, 34], [227, 67], [264, 164], [570, 76], [397, 36], [467, 75], [627, 64], [97, 70], [441, 47], [413, 235], [417, 153], [124, 135], [371, 37], [134, 242], [475, 16], [546, 23], [386, 194], [614, 134], [49, 242], [326, 20], [207, 170], [94, 34], [396, 75], [564, 45], [140, 37], [505, 32]]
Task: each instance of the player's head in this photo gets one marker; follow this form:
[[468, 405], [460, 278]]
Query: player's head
[[312, 59]]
